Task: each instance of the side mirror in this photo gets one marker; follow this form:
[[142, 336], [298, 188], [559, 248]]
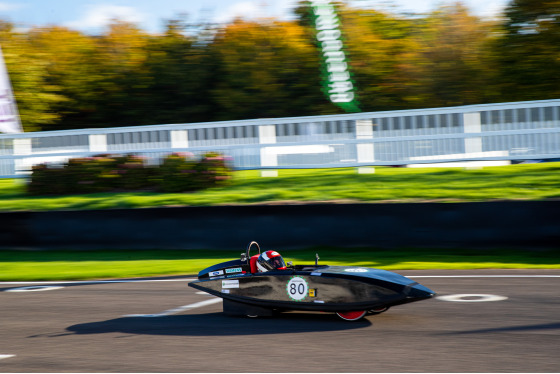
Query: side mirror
[[290, 264], [243, 257]]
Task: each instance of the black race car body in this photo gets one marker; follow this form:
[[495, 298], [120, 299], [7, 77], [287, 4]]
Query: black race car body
[[350, 291]]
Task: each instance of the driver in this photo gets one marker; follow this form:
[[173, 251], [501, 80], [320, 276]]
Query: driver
[[270, 260]]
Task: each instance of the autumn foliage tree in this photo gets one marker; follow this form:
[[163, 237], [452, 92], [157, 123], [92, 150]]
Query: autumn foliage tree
[[266, 69], [37, 97], [65, 79], [452, 62], [528, 53]]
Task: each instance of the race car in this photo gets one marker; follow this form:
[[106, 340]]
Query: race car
[[351, 292]]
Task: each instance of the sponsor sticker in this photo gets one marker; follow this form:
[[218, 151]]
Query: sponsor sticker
[[233, 270], [297, 288], [356, 270], [216, 273], [231, 283]]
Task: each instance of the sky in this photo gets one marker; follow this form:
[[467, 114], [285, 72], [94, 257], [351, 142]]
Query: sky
[[91, 16]]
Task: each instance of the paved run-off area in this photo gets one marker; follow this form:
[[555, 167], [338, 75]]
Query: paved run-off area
[[512, 325]]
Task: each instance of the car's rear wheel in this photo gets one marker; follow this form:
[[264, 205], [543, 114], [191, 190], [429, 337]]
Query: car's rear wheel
[[352, 316], [378, 310]]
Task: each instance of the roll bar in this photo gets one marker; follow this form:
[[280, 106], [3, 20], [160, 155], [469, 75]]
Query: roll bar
[[246, 256]]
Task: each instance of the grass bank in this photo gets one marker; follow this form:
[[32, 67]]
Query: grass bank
[[514, 182], [79, 265]]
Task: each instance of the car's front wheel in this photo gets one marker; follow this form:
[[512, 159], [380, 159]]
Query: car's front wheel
[[378, 310]]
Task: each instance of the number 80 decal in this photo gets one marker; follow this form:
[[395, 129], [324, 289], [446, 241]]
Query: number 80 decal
[[297, 288]]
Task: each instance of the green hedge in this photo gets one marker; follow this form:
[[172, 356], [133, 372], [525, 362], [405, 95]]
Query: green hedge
[[177, 172]]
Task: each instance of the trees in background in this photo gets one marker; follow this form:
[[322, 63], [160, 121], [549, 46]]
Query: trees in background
[[36, 97], [265, 70], [64, 79], [528, 52]]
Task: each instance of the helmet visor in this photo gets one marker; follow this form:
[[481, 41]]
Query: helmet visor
[[277, 262]]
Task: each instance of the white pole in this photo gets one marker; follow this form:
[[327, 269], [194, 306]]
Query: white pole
[[9, 117]]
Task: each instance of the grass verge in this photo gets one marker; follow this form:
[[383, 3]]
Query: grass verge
[[513, 182], [79, 265]]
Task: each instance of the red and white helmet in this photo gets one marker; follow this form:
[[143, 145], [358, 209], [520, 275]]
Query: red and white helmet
[[270, 260]]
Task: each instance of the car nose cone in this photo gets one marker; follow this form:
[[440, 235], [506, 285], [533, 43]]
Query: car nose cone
[[418, 291]]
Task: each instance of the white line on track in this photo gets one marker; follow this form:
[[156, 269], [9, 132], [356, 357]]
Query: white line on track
[[471, 297], [482, 276], [180, 309], [6, 356], [217, 300], [34, 288], [103, 281], [193, 279]]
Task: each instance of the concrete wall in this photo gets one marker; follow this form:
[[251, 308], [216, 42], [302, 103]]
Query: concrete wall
[[514, 224]]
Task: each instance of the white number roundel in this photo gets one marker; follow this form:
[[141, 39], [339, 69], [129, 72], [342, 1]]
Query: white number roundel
[[297, 288]]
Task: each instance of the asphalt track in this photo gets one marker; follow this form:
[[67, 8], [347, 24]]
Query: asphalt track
[[88, 327]]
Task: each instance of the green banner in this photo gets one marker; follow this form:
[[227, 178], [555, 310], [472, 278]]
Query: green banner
[[337, 82]]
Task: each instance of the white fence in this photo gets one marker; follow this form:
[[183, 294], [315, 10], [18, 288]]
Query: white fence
[[506, 131]]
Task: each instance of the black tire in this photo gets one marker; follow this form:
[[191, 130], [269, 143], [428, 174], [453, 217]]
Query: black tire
[[378, 310]]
